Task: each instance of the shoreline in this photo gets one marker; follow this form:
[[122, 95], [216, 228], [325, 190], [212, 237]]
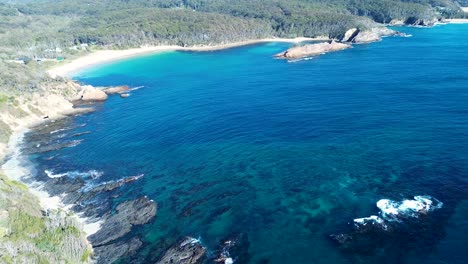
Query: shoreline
[[457, 21], [102, 56], [14, 168], [65, 69]]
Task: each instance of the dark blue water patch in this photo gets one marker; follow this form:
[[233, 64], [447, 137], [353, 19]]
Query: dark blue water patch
[[282, 154]]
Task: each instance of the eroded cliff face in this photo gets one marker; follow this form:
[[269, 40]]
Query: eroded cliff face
[[24, 110], [55, 100]]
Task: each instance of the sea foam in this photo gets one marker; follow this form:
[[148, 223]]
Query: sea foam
[[94, 174], [398, 211], [19, 168]]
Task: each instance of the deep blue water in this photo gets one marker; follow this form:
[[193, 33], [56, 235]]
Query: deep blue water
[[285, 154]]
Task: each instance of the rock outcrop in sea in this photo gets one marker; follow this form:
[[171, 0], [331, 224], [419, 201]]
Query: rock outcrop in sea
[[187, 251], [116, 90], [396, 221], [106, 241], [90, 93], [312, 50], [120, 223]]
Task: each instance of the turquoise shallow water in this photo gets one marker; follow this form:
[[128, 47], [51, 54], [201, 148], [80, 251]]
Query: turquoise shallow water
[[284, 154]]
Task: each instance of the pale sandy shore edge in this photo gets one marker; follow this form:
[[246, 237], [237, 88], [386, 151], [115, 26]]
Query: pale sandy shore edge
[[65, 69], [13, 163], [457, 21], [15, 168]]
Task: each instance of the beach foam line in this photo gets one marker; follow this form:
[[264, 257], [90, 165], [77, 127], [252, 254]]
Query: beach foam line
[[19, 168], [93, 174]]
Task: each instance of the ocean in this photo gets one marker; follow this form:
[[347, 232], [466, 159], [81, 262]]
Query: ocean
[[357, 156]]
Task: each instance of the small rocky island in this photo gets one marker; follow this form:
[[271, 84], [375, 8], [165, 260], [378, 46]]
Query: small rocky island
[[312, 50], [352, 36]]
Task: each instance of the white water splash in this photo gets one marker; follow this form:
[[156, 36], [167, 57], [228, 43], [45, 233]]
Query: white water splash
[[191, 241], [136, 88], [394, 211], [373, 220], [94, 174], [19, 168]]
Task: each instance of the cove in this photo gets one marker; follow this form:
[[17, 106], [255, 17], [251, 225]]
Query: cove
[[280, 155]]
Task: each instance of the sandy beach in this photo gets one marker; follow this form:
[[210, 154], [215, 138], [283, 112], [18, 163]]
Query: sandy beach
[[64, 69], [457, 21]]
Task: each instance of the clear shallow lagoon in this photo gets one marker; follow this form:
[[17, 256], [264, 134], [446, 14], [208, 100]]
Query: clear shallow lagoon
[[285, 154]]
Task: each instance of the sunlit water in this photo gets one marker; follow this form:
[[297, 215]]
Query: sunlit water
[[284, 154]]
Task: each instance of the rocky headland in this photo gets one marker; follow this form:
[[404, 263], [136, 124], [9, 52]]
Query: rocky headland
[[187, 251], [33, 229], [352, 36]]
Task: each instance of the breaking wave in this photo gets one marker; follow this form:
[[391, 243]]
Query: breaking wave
[[394, 211], [136, 88], [94, 174], [301, 59]]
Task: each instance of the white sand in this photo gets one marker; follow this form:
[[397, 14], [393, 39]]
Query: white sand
[[102, 56], [457, 21], [465, 9]]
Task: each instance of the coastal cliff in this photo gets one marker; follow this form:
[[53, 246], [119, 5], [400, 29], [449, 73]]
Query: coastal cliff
[[30, 233]]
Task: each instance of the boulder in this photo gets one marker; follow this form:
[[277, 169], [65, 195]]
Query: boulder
[[350, 35], [312, 50], [187, 251], [90, 93]]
